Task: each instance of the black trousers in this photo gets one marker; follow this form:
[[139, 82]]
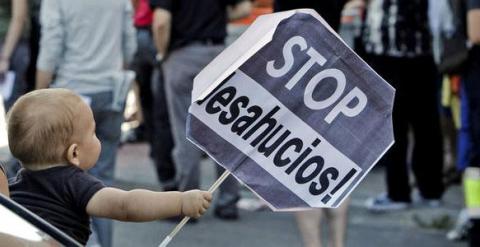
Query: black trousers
[[162, 142], [472, 86], [34, 45], [154, 107], [415, 108]]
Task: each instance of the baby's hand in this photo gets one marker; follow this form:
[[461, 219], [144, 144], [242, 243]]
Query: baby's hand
[[195, 203]]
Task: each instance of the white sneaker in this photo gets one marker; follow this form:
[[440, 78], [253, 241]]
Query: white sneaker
[[460, 231], [421, 201], [382, 203]]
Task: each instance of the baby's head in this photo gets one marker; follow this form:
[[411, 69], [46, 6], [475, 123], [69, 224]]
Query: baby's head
[[52, 127]]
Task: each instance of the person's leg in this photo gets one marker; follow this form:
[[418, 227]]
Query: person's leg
[[395, 160], [309, 223], [226, 205], [474, 236], [18, 64], [34, 47], [162, 141], [427, 156], [179, 72], [108, 132], [464, 141], [143, 67], [337, 219], [472, 89], [472, 86], [180, 69]]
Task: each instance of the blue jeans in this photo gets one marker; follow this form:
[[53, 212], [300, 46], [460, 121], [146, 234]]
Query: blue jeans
[[108, 132], [464, 141], [18, 64]]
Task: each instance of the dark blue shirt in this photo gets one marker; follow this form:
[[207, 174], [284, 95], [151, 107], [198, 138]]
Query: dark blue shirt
[[59, 195]]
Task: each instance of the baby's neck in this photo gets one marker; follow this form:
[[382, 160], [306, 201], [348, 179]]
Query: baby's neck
[[44, 167]]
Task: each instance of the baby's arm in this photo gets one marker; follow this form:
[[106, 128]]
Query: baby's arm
[[144, 205]]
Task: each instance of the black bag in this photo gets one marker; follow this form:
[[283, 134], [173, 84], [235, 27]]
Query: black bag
[[455, 48]]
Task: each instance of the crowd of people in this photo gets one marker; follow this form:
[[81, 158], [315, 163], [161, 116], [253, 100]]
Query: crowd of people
[[85, 52]]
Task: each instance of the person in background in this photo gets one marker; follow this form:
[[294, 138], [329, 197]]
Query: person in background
[[14, 54], [86, 45], [330, 10], [397, 42], [152, 97], [18, 52], [472, 86], [188, 35], [142, 64], [33, 42], [18, 14], [310, 222]]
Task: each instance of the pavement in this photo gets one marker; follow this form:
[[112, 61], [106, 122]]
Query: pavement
[[265, 228]]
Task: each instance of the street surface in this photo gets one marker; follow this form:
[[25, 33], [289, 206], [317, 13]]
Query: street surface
[[266, 228]]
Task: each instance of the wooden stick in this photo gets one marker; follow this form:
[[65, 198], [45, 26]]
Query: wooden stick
[[184, 221]]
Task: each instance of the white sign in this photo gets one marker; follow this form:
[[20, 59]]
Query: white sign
[[292, 112]]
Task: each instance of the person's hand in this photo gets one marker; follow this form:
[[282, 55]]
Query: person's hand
[[158, 60], [4, 66], [195, 203]]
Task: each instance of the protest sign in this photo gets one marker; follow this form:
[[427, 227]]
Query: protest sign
[[291, 111]]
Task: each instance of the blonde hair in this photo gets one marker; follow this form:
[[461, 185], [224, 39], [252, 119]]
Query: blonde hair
[[40, 126]]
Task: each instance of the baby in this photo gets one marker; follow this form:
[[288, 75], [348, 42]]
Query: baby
[[52, 133]]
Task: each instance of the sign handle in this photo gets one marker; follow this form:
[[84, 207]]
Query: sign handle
[[184, 221]]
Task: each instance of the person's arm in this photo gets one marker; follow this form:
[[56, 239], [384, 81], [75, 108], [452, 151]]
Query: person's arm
[[161, 27], [51, 43], [143, 205], [473, 24], [4, 184], [135, 4], [240, 10], [15, 29], [129, 40], [355, 4], [43, 78]]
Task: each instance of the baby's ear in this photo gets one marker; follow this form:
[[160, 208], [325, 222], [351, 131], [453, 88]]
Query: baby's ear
[[72, 155]]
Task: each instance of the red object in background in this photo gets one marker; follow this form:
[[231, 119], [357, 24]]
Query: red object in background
[[455, 81], [143, 14], [260, 7], [353, 11]]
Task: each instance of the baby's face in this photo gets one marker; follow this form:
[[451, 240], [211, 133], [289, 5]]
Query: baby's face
[[88, 144]]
